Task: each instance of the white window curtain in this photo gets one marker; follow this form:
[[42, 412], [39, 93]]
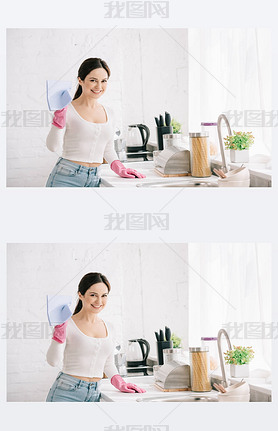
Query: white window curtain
[[230, 287], [230, 70]]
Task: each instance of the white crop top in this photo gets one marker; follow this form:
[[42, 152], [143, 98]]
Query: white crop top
[[82, 355], [82, 140]]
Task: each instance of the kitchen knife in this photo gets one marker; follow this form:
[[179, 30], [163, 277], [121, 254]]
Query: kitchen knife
[[167, 118], [161, 121], [157, 336], [161, 335], [167, 333], [157, 121]]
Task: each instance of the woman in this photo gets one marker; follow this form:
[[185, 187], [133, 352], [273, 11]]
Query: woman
[[84, 131], [85, 345]]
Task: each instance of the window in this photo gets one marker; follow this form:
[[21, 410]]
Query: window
[[230, 72], [230, 288]]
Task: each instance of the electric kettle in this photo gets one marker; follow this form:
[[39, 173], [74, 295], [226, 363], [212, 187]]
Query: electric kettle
[[137, 352], [137, 138]]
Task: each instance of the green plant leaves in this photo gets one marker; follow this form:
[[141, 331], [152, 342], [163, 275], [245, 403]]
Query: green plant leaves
[[176, 340], [239, 355], [239, 141], [176, 126]]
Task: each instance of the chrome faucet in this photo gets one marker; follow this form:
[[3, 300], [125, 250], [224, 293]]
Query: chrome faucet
[[220, 333], [220, 118]]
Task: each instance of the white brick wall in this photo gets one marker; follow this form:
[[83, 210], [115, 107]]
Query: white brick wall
[[149, 76], [149, 290]]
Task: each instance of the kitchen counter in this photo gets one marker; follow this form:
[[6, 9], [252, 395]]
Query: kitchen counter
[[110, 179], [111, 394]]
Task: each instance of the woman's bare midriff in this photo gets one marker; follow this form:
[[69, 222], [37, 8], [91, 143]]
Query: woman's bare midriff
[[87, 379], [88, 165]]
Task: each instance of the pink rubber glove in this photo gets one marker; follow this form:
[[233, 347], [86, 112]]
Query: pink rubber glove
[[59, 119], [59, 333], [120, 384], [124, 172]]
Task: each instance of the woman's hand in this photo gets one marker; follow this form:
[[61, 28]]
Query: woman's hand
[[124, 172], [59, 119], [120, 384], [59, 333]]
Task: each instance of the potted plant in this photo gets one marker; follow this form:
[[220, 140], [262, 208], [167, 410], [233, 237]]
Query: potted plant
[[176, 126], [175, 139], [239, 359], [239, 144], [176, 341]]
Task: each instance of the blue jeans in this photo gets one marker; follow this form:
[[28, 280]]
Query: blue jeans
[[69, 174], [70, 389]]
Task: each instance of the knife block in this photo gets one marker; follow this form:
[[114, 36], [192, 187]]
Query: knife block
[[162, 130], [160, 346]]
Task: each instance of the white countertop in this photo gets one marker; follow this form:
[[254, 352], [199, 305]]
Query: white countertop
[[110, 179], [111, 394]]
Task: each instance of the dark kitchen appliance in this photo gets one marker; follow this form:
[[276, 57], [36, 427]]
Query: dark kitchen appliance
[[137, 354], [136, 141]]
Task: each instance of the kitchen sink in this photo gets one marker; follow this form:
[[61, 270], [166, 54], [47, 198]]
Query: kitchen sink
[[180, 399], [179, 183]]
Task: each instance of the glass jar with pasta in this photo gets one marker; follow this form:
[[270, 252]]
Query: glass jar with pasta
[[199, 155], [199, 369]]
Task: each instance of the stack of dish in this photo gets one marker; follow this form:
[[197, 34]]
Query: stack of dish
[[239, 392], [239, 177]]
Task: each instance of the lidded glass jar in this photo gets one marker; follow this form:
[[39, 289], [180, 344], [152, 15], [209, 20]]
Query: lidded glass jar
[[211, 129], [170, 140], [199, 154], [211, 343], [172, 355], [199, 369]]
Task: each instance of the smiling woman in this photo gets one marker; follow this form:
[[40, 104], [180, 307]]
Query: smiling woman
[[83, 132], [85, 345]]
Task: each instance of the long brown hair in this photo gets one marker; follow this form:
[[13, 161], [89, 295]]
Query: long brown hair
[[86, 282], [86, 67]]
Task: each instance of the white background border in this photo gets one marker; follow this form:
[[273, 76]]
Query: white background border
[[45, 215]]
